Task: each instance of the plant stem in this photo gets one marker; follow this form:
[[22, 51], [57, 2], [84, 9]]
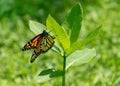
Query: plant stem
[[64, 66]]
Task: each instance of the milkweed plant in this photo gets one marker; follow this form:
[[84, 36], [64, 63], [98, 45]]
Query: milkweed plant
[[67, 42]]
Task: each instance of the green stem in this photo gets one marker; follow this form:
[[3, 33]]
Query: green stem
[[64, 66]]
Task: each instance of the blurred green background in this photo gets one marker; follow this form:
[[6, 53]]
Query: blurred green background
[[15, 68]]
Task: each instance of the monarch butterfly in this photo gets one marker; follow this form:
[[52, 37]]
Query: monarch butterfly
[[40, 43]]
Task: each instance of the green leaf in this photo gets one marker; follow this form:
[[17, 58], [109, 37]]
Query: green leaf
[[36, 27], [56, 48], [80, 43], [73, 22], [58, 31], [56, 73], [80, 57], [76, 46], [44, 75], [46, 72], [42, 79], [93, 34]]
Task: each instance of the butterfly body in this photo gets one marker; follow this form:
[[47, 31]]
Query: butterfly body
[[41, 44]]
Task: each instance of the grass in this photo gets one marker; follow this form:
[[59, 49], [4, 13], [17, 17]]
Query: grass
[[15, 69]]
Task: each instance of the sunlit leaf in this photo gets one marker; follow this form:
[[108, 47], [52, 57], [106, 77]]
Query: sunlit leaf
[[58, 31], [80, 57], [41, 79], [36, 27]]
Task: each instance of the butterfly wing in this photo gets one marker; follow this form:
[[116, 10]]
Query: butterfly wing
[[41, 44], [32, 43], [47, 43], [35, 54], [37, 51]]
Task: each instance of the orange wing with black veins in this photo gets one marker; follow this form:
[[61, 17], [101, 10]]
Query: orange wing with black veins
[[33, 43]]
